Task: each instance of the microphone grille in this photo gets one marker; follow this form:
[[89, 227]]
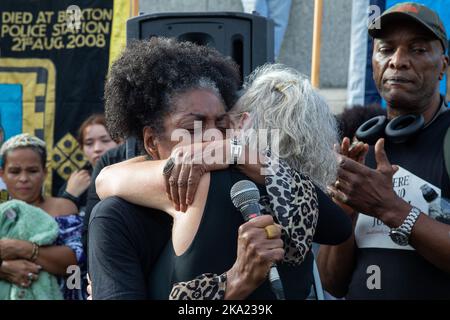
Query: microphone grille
[[244, 192]]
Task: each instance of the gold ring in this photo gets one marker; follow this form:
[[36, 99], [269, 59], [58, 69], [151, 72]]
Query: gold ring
[[271, 231], [336, 184]]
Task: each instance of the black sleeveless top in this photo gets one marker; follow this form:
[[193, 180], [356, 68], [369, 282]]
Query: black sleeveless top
[[214, 248]]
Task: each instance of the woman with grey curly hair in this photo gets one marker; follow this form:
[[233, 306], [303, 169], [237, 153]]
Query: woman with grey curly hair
[[278, 97]]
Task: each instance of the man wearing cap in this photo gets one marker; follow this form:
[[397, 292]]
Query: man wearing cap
[[397, 251]]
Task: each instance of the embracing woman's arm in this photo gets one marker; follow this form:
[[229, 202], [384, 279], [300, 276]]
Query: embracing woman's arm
[[137, 181], [142, 182]]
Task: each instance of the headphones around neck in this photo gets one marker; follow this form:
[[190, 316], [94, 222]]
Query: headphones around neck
[[397, 130]]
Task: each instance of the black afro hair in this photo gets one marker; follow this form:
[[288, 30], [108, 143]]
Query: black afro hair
[[142, 81]]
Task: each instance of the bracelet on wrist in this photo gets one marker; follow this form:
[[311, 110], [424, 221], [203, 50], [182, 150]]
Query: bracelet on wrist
[[35, 252], [71, 197], [235, 150]]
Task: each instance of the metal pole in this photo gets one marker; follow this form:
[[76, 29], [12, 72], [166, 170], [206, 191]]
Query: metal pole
[[134, 8], [317, 33]]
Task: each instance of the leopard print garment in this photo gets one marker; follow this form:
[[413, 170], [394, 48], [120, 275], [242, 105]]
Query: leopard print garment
[[292, 201], [208, 286]]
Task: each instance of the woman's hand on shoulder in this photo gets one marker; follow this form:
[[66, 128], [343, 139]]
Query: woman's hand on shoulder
[[186, 166]]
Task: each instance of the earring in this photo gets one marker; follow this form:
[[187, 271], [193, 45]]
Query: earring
[[154, 153]]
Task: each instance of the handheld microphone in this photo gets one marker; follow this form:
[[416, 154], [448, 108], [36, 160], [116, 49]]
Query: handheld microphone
[[245, 197]]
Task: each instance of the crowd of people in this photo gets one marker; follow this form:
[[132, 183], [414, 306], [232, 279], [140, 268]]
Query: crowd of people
[[41, 235], [150, 216]]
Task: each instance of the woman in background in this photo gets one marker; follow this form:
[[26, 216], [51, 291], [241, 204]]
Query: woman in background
[[24, 171], [94, 140]]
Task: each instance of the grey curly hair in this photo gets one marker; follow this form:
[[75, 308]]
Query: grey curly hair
[[279, 97]]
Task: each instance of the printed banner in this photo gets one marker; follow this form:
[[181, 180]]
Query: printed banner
[[54, 56]]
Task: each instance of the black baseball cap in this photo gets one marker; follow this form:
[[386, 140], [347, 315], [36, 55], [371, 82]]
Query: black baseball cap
[[414, 11]]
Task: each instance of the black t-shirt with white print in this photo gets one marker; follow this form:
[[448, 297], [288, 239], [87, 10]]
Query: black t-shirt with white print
[[384, 270]]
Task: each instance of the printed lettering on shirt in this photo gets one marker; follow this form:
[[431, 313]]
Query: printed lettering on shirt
[[371, 232]]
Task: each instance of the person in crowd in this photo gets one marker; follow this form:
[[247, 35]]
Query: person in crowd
[[23, 171], [397, 251], [124, 151], [28, 224], [94, 140], [349, 121], [278, 11], [351, 118], [213, 192]]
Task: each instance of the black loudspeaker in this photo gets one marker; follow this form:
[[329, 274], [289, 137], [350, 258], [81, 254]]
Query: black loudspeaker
[[246, 38]]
